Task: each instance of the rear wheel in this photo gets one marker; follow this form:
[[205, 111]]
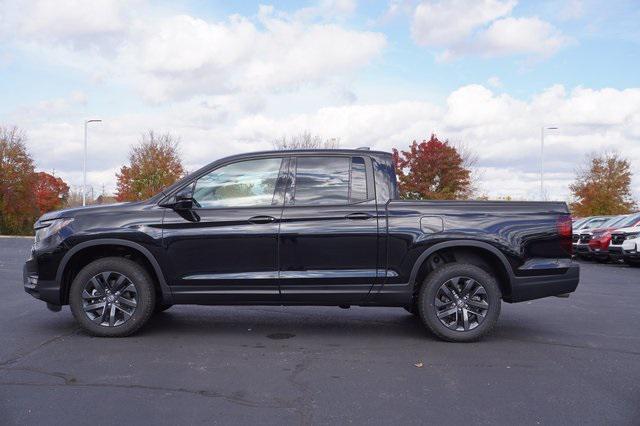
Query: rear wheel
[[112, 297], [459, 302]]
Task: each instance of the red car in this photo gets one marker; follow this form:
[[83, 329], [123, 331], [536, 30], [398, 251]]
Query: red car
[[601, 237]]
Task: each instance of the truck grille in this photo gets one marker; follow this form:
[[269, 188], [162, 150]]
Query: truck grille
[[585, 238], [617, 239]]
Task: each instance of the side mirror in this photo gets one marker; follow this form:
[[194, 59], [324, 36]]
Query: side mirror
[[182, 200], [183, 204]]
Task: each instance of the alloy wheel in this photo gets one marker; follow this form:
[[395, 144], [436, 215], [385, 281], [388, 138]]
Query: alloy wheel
[[461, 303], [109, 299]]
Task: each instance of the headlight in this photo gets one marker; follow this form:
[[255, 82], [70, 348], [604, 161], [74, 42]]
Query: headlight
[[632, 236], [48, 228]]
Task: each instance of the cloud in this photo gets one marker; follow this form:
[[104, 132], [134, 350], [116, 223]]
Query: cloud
[[449, 23], [485, 28], [520, 35], [503, 130], [240, 55], [66, 20], [175, 57]]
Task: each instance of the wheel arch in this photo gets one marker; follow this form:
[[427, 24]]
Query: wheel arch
[[479, 253], [85, 252]]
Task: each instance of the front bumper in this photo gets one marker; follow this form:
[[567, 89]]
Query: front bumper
[[45, 290], [583, 250], [615, 252], [630, 250], [538, 286]]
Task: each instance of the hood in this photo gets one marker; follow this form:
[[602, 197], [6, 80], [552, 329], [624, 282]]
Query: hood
[[607, 229], [630, 230], [94, 209]]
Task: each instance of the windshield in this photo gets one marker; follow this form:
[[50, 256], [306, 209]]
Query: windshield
[[630, 220], [595, 222], [614, 221], [578, 223]]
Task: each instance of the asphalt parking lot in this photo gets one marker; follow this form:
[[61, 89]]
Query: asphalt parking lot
[[551, 361]]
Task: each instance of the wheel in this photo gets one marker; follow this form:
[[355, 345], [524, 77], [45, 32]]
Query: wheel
[[459, 302], [160, 307], [112, 297]]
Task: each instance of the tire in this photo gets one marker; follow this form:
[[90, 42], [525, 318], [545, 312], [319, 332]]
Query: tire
[[484, 292], [99, 284], [634, 263], [160, 307]]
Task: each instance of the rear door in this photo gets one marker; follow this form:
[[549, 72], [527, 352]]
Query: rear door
[[329, 230]]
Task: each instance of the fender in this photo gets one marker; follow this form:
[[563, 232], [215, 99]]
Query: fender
[[167, 296], [460, 243]]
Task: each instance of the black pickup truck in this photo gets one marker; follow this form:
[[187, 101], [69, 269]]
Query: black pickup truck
[[309, 227]]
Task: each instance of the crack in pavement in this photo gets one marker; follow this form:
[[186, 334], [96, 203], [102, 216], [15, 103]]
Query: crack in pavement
[[70, 381], [568, 345], [301, 404], [19, 356]]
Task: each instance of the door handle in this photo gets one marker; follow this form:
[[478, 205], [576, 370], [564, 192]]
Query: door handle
[[261, 219], [358, 216]]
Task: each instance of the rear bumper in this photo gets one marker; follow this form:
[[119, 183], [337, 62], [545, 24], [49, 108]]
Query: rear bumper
[[538, 286]]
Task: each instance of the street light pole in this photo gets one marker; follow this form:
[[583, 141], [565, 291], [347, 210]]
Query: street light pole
[[84, 163], [542, 129]]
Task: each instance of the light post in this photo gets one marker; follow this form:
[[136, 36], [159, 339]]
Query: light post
[[542, 129], [84, 163]]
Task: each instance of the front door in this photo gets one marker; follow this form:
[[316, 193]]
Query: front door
[[225, 249], [329, 231]]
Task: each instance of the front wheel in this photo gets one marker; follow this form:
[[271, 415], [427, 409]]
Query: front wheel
[[112, 297], [459, 302]]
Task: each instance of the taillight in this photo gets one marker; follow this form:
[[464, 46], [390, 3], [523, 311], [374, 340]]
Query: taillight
[[565, 232]]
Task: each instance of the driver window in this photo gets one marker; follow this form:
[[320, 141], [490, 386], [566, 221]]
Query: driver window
[[243, 184]]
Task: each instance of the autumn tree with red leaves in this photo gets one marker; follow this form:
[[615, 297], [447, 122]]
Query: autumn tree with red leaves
[[603, 186], [51, 192], [154, 163], [17, 179], [433, 170]]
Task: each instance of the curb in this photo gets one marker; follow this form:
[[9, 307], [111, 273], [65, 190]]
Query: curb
[[17, 236]]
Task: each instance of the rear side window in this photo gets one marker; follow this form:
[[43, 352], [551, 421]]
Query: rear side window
[[321, 180], [358, 180], [329, 180]]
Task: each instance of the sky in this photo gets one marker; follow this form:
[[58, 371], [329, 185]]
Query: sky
[[231, 77]]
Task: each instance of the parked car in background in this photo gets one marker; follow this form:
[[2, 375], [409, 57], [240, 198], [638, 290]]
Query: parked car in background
[[618, 238], [601, 237], [586, 224], [631, 248], [582, 248]]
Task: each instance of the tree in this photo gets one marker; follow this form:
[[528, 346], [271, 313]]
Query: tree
[[51, 192], [154, 163], [602, 186], [17, 179], [433, 170], [305, 140]]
